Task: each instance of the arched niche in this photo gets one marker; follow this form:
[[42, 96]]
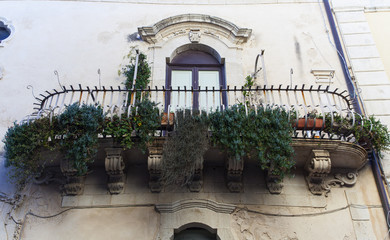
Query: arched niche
[[195, 230], [218, 37]]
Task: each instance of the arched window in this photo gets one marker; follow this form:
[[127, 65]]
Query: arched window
[[196, 66], [195, 233]]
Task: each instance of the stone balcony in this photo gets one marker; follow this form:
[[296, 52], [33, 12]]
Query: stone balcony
[[324, 162]]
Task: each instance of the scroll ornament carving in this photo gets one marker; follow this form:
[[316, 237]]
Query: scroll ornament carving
[[274, 184], [234, 174], [114, 165], [154, 165], [348, 180], [74, 184], [318, 166]]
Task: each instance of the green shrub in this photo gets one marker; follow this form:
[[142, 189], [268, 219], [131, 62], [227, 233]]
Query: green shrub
[[184, 148], [23, 146], [79, 127]]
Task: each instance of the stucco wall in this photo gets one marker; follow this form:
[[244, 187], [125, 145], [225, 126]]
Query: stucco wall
[[78, 38], [378, 22]]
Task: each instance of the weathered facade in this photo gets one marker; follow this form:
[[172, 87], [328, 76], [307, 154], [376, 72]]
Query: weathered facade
[[285, 44]]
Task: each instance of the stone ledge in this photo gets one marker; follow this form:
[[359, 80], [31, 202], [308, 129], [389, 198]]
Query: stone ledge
[[178, 201]]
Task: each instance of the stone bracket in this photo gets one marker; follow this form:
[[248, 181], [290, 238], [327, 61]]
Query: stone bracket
[[114, 166], [234, 170], [318, 166], [154, 165], [274, 183], [74, 184], [197, 180]]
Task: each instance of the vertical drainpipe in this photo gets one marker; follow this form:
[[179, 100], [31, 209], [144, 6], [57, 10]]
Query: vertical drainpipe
[[373, 156]]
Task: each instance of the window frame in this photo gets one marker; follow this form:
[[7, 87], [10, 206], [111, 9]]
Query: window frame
[[194, 68]]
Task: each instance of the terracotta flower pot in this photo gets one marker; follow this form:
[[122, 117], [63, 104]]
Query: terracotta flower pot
[[164, 119], [310, 124]]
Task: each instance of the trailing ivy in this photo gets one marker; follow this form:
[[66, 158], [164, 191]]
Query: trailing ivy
[[265, 134], [271, 130], [23, 146], [79, 127], [184, 148]]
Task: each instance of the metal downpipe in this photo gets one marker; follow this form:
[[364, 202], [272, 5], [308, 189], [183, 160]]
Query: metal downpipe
[[373, 156]]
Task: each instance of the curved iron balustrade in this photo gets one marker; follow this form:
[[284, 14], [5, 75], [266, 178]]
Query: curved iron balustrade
[[303, 100]]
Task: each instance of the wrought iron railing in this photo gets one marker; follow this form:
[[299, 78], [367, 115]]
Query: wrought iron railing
[[303, 100]]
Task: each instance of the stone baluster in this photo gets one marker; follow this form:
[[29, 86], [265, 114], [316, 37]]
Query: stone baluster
[[115, 165]]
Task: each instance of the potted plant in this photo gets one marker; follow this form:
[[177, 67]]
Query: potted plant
[[167, 120], [78, 127], [120, 129], [23, 145], [371, 133], [309, 122]]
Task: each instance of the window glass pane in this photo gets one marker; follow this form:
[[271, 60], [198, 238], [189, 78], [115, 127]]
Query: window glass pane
[[181, 78], [209, 100]]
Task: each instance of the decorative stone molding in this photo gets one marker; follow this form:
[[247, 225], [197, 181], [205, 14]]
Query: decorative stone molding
[[194, 35], [114, 165], [154, 165], [197, 180], [74, 184], [347, 179], [4, 23], [195, 203], [318, 165], [234, 169], [185, 23], [274, 184]]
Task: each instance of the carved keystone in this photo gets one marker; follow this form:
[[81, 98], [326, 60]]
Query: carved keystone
[[318, 165], [197, 180], [234, 169], [114, 165], [74, 183], [154, 165]]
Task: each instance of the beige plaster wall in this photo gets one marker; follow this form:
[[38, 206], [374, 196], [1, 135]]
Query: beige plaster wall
[[78, 38], [379, 22], [347, 213]]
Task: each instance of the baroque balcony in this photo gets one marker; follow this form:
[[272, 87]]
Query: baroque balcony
[[328, 159]]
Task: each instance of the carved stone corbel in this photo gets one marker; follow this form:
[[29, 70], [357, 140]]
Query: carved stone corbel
[[234, 169], [114, 165], [74, 184], [274, 183], [197, 180], [318, 166], [154, 165]]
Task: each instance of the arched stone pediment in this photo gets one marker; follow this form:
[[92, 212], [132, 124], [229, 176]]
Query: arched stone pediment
[[194, 25]]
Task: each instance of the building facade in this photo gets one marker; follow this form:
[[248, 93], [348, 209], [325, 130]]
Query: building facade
[[288, 47]]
